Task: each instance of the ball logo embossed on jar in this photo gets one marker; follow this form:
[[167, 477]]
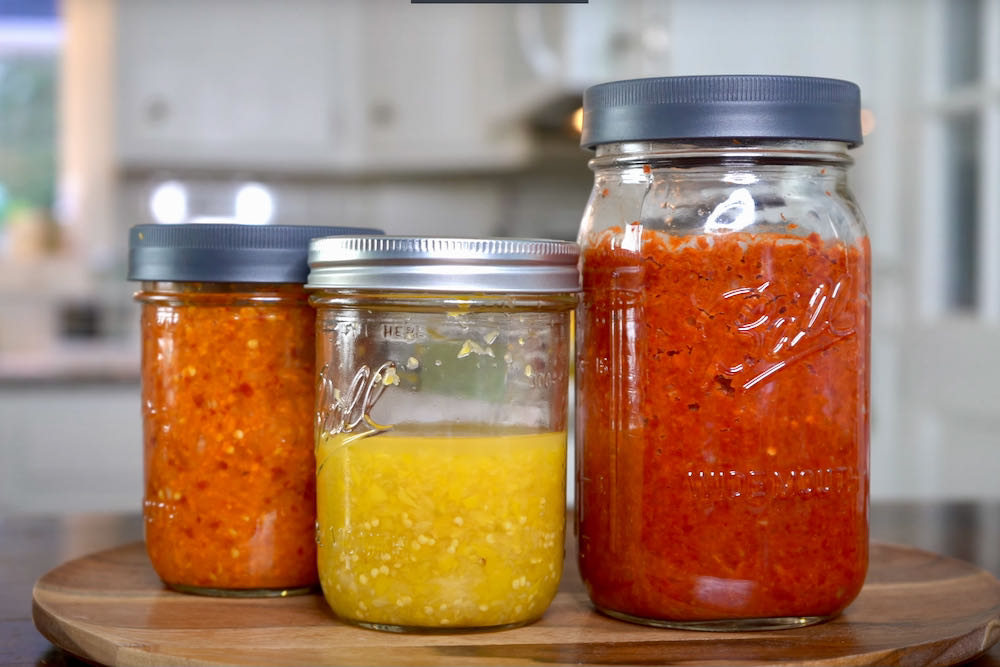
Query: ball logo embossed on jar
[[344, 411], [775, 327]]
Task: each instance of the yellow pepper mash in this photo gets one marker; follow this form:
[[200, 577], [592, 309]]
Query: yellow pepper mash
[[440, 531]]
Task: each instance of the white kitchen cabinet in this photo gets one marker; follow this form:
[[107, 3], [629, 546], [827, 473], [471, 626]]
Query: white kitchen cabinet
[[70, 447], [309, 86], [432, 93], [219, 84]]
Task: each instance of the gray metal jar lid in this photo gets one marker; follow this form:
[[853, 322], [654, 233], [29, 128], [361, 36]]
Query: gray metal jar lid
[[225, 252], [433, 264], [726, 106]]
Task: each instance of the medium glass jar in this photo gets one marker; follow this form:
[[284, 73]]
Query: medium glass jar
[[722, 353], [228, 376], [441, 428]]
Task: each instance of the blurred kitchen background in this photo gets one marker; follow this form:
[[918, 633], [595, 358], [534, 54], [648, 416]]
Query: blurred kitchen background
[[458, 119]]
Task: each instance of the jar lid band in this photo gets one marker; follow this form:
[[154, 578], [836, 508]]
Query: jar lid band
[[435, 264], [237, 253], [718, 107]]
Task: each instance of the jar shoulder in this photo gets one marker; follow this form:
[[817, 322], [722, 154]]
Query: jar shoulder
[[724, 202]]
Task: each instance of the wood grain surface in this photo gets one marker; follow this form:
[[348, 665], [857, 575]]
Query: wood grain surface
[[917, 608]]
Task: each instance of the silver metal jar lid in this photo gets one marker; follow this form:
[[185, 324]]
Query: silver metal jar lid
[[433, 264]]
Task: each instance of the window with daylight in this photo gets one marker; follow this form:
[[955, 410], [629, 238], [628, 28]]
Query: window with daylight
[[29, 65], [962, 131]]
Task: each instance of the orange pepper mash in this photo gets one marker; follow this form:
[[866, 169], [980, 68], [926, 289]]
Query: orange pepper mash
[[228, 386], [723, 424]]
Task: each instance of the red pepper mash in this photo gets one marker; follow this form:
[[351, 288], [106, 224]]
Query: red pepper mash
[[724, 424], [227, 391]]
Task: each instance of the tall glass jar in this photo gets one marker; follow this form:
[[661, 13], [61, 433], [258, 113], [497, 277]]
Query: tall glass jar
[[228, 377], [441, 425], [722, 353]]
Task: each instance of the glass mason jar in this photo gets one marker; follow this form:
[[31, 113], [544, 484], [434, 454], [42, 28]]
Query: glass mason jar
[[228, 381], [441, 425], [723, 353]]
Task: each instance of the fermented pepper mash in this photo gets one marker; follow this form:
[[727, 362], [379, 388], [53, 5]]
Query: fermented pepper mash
[[444, 531], [725, 425], [228, 387]]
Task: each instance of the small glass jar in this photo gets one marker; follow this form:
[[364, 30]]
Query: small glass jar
[[228, 377], [441, 428], [722, 353]]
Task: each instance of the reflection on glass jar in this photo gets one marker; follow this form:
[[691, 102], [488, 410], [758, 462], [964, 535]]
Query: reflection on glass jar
[[441, 428], [723, 337]]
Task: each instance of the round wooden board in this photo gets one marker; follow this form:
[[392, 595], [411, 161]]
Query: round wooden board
[[917, 608]]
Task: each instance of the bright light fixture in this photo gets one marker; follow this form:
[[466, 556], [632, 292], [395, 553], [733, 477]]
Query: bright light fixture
[[254, 204], [169, 203]]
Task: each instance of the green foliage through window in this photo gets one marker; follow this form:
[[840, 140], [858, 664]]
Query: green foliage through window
[[28, 90]]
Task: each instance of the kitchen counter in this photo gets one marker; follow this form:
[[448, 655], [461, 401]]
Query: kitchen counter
[[30, 546]]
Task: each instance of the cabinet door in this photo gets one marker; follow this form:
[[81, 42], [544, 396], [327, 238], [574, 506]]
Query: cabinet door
[[70, 447], [431, 88], [224, 84]]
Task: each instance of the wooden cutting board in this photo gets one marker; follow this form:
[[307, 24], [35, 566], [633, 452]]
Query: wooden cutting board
[[917, 608]]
